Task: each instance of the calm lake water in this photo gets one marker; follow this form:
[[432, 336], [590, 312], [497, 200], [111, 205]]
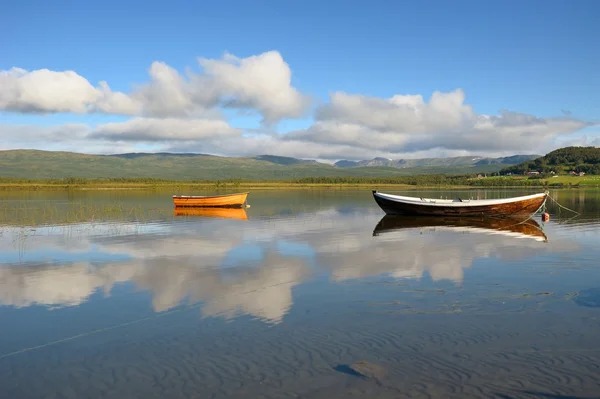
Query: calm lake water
[[112, 295]]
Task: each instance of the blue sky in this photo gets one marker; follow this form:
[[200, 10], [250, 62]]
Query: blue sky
[[534, 57]]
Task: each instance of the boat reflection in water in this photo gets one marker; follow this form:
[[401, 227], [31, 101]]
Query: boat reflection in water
[[515, 227], [227, 213]]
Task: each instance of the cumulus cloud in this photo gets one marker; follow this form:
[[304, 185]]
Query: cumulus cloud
[[261, 83], [110, 102], [168, 94], [44, 91], [408, 114], [406, 123]]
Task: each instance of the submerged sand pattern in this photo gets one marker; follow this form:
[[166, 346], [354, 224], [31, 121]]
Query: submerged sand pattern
[[450, 357]]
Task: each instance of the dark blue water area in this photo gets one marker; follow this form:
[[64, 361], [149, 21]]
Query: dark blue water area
[[35, 325]]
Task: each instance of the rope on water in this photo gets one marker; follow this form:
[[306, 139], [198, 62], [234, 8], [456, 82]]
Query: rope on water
[[539, 211], [85, 334], [564, 207], [100, 330], [542, 209]]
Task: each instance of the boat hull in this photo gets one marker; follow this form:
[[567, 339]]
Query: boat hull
[[527, 206], [215, 201]]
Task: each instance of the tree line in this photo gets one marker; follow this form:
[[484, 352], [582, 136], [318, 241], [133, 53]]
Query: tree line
[[562, 161], [415, 180]]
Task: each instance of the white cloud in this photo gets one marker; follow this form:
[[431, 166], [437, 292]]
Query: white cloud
[[110, 102], [168, 94], [350, 135], [407, 123], [151, 129], [118, 137], [261, 83], [44, 91], [408, 114]]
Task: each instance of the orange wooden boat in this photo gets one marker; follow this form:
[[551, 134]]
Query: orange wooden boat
[[213, 212], [222, 201]]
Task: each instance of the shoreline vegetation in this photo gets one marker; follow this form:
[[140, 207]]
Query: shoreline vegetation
[[402, 182]]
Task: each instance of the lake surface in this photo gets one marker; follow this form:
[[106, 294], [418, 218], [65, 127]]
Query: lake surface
[[113, 295]]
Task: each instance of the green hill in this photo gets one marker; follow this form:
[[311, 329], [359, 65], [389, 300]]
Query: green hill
[[562, 161], [36, 164]]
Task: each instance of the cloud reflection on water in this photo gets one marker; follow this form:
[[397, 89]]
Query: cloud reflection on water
[[189, 260]]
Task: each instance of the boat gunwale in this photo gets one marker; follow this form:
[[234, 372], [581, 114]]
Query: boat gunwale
[[209, 196]]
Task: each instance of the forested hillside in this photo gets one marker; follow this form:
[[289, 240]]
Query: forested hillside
[[562, 161]]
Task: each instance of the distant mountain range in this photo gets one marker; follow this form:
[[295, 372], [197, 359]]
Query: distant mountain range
[[37, 164], [431, 162], [269, 158]]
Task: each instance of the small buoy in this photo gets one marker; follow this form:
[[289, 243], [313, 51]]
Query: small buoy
[[545, 216]]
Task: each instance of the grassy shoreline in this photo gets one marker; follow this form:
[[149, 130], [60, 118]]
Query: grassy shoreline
[[208, 186], [367, 183], [179, 188]]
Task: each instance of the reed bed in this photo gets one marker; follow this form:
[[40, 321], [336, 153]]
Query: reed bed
[[25, 213]]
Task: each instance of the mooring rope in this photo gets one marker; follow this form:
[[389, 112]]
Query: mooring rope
[[99, 330], [113, 327], [542, 209], [564, 207]]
